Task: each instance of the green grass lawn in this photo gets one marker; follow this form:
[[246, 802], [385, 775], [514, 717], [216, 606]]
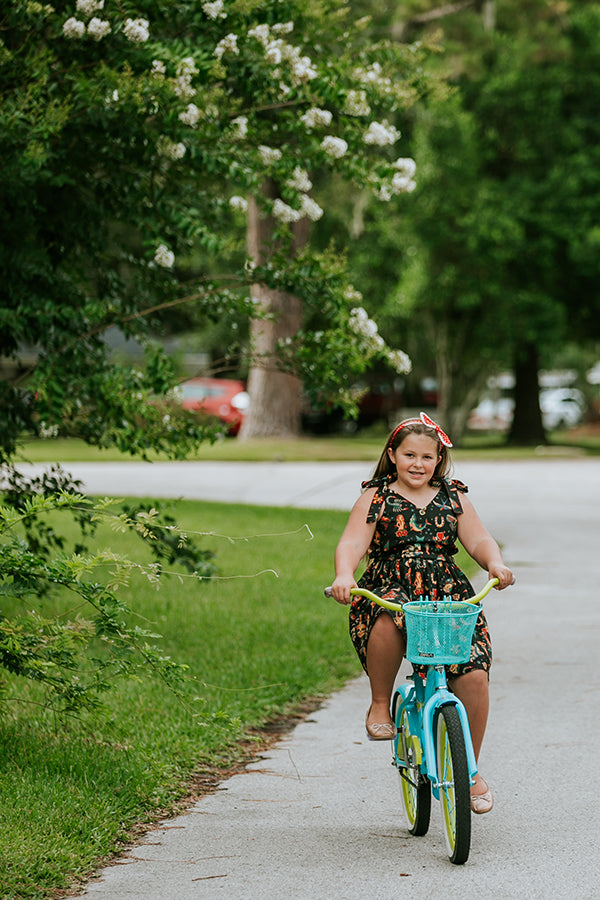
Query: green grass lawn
[[365, 445], [257, 645]]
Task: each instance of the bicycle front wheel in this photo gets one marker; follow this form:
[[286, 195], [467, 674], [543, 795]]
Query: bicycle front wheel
[[455, 786], [415, 788]]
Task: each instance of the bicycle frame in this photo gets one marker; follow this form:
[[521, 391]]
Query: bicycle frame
[[421, 700]]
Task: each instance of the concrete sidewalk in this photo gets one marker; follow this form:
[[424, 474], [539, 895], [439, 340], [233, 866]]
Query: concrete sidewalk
[[319, 815]]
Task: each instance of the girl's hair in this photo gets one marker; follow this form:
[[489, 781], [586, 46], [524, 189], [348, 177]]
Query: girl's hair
[[385, 466]]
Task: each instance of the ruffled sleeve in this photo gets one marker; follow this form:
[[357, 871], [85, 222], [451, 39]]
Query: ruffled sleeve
[[381, 485], [454, 489]]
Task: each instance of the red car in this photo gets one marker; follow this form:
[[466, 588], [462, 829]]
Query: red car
[[223, 398]]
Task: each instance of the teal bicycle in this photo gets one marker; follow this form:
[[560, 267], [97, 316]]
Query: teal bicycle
[[432, 749]]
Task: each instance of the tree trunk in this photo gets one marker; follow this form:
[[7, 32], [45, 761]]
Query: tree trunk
[[527, 428], [275, 396], [488, 14], [459, 385]]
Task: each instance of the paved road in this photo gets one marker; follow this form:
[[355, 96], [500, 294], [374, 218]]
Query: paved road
[[318, 816]]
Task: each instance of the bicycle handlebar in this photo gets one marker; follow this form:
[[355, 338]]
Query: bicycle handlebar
[[363, 592]]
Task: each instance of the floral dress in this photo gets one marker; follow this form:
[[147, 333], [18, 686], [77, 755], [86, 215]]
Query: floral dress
[[410, 558]]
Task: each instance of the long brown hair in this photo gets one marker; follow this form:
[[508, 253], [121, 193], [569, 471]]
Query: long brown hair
[[385, 466]]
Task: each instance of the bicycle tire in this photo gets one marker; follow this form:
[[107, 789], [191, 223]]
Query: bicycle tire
[[455, 784], [415, 788]]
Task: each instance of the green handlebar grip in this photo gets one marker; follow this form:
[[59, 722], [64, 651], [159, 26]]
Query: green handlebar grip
[[483, 592], [362, 592]]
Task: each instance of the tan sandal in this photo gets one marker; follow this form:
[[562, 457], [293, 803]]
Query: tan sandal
[[482, 803], [379, 731]]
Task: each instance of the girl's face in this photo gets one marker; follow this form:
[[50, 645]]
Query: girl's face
[[415, 460]]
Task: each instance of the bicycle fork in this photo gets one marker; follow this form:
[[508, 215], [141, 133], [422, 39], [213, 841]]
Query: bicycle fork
[[415, 749]]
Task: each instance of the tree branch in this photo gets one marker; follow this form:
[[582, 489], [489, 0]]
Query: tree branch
[[140, 314], [441, 12]]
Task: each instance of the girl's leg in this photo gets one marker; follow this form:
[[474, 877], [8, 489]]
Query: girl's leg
[[473, 690], [385, 650]]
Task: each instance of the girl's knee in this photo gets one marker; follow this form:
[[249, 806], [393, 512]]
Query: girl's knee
[[385, 629], [384, 622], [476, 679], [478, 676]]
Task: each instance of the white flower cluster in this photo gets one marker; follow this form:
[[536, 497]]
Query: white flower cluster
[[164, 257], [190, 116], [73, 28], [214, 10], [182, 83], [373, 76], [273, 53], [311, 208], [136, 30], [366, 329], [89, 7], [47, 432], [35, 8], [261, 33], [400, 361], [315, 118], [269, 155], [381, 134], [356, 104], [406, 167], [158, 68], [300, 180], [302, 69], [402, 180], [186, 68], [370, 339], [334, 146], [287, 214], [352, 295], [284, 213], [228, 44], [240, 128], [238, 203], [96, 28], [169, 149], [278, 51]]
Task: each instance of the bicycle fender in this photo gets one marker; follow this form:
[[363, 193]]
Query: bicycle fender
[[433, 704]]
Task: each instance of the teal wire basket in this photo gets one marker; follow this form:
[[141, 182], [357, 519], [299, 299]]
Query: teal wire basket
[[439, 632]]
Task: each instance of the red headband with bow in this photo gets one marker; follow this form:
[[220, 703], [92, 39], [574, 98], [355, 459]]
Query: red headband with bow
[[424, 420]]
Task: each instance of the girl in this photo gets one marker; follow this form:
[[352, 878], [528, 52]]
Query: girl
[[408, 520]]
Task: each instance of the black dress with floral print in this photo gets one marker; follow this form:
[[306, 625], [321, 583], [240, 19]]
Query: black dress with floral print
[[410, 558]]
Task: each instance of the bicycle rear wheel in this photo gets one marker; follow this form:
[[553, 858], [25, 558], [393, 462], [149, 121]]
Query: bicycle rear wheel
[[415, 788], [455, 787]]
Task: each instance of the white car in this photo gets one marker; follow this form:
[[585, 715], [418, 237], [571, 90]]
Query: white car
[[492, 415], [560, 407]]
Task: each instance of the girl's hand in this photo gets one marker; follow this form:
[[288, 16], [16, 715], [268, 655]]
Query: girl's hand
[[504, 576], [340, 590]]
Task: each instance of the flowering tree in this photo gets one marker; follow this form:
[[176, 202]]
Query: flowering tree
[[134, 135]]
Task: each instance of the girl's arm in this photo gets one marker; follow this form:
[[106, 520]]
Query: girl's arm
[[480, 545], [353, 545]]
